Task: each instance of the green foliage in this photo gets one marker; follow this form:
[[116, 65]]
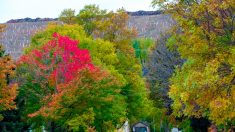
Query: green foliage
[[80, 121], [142, 48], [96, 101], [101, 104], [102, 52], [114, 29], [68, 16], [110, 26], [185, 125], [123, 65], [91, 98], [88, 16], [159, 121]]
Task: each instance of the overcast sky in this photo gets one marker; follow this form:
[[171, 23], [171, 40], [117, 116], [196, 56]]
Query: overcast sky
[[14, 9]]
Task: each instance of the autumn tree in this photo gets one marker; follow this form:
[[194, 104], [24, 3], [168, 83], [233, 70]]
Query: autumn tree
[[8, 90], [68, 89], [114, 28], [204, 36], [68, 16], [120, 62]]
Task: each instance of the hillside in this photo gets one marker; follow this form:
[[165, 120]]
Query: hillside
[[17, 36], [18, 32]]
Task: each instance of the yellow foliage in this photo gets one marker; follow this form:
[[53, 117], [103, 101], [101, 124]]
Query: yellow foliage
[[205, 38]]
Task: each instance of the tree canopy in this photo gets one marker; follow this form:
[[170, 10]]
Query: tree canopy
[[204, 36], [68, 16], [124, 97], [68, 89]]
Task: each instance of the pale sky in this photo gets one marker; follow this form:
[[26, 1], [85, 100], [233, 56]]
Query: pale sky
[[14, 9]]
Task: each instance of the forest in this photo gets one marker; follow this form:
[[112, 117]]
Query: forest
[[90, 72]]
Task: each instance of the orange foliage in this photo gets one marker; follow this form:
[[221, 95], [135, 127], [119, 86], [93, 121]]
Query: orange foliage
[[7, 90]]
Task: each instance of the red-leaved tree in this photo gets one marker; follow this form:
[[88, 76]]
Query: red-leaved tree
[[59, 82], [51, 66], [59, 61]]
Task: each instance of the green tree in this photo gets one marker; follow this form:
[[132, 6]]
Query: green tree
[[204, 35], [68, 16], [114, 29], [88, 15], [142, 48]]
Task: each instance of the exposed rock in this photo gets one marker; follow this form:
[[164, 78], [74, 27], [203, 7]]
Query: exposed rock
[[17, 36]]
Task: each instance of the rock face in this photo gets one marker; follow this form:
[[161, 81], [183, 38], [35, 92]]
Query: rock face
[[151, 25], [18, 32], [17, 36]]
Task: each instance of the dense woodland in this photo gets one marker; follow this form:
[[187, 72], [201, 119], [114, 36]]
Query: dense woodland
[[92, 72]]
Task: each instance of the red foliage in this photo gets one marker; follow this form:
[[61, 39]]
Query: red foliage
[[59, 60], [62, 66]]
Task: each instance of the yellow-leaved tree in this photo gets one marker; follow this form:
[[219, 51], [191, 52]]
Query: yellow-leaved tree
[[204, 36]]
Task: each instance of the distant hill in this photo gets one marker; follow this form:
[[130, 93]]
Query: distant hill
[[17, 36], [18, 31]]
